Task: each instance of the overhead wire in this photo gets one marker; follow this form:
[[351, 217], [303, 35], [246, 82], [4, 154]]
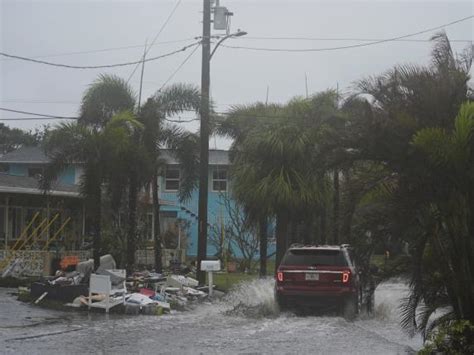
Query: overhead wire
[[358, 45], [178, 68], [44, 115], [109, 49], [347, 39], [178, 2], [98, 66], [35, 118], [52, 116]]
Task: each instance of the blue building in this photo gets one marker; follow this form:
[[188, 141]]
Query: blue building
[[23, 204], [20, 199], [219, 188]]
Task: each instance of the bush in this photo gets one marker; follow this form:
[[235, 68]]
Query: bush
[[456, 337]]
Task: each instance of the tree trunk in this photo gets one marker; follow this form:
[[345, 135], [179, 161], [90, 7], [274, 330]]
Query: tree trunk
[[96, 209], [323, 231], [308, 226], [293, 232], [335, 217], [156, 225], [132, 221], [281, 236], [262, 230]]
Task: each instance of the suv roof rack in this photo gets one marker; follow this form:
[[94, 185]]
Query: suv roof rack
[[297, 245]]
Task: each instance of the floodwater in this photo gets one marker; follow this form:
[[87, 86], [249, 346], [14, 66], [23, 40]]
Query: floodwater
[[245, 322]]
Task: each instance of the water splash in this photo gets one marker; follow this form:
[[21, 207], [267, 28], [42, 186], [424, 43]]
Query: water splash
[[252, 299], [388, 298]]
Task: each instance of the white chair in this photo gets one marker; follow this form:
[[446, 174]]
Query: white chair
[[101, 284]]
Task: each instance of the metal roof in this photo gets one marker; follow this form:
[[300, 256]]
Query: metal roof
[[29, 155], [216, 157], [36, 155], [29, 185]]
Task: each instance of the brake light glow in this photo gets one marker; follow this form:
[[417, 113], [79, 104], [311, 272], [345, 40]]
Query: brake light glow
[[345, 276], [280, 276]]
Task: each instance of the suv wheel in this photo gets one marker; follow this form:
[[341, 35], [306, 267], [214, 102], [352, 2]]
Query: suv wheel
[[282, 302], [351, 307]]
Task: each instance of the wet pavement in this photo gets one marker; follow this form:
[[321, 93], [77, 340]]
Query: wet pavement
[[245, 322]]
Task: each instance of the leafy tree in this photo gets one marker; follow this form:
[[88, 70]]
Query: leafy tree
[[13, 138], [397, 123], [68, 144], [158, 133]]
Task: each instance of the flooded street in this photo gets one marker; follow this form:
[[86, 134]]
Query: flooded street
[[247, 322]]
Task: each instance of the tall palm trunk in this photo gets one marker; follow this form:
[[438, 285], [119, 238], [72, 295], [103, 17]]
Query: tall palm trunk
[[281, 236], [156, 225], [262, 230], [132, 220], [96, 216], [323, 229], [335, 216]]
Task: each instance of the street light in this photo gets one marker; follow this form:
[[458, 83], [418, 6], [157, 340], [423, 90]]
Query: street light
[[204, 135], [232, 35]]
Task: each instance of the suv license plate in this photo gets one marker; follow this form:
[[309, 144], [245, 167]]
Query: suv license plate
[[312, 277]]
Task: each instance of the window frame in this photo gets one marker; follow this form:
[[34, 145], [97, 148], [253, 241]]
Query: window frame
[[40, 170], [173, 179], [220, 180]]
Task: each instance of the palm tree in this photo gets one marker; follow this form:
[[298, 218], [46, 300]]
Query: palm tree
[[269, 171], [400, 133], [110, 95], [129, 169], [158, 133], [106, 96], [237, 125], [447, 244], [71, 143]]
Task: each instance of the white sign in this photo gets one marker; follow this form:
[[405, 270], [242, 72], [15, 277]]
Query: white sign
[[210, 265]]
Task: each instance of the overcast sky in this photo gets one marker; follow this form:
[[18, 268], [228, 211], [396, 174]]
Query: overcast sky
[[54, 30]]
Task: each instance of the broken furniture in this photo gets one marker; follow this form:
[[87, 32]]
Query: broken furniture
[[102, 284]]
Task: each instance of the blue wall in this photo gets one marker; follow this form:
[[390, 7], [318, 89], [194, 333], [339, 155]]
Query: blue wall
[[66, 177], [216, 213], [214, 210]]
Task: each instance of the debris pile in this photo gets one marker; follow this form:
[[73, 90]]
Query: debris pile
[[142, 292]]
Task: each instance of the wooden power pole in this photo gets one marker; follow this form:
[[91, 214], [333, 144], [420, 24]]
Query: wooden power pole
[[204, 156]]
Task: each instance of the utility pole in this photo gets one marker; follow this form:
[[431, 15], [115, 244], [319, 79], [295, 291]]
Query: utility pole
[[204, 156], [141, 79], [336, 197]]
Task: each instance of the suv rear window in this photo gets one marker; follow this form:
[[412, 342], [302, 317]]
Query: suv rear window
[[314, 257]]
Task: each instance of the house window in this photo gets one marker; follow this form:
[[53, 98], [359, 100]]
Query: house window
[[14, 222], [219, 180], [172, 177], [2, 223], [35, 172], [4, 168]]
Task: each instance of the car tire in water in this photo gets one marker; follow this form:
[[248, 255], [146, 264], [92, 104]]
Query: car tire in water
[[350, 308], [282, 303]]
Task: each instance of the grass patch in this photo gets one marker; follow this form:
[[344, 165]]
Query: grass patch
[[13, 282], [225, 281]]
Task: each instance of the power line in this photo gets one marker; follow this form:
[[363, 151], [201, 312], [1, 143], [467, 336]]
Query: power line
[[346, 39], [44, 115], [156, 37], [36, 118], [97, 66], [350, 46], [109, 49], [178, 68]]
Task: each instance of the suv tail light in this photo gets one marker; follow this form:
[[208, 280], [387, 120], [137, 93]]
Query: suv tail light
[[280, 276], [346, 276]]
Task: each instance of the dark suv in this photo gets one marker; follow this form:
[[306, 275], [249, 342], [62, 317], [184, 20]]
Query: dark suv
[[323, 276]]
